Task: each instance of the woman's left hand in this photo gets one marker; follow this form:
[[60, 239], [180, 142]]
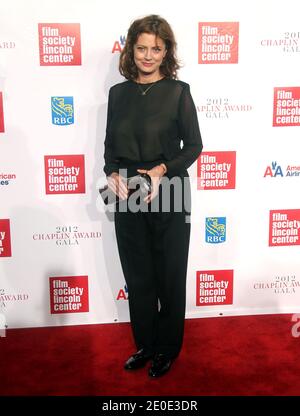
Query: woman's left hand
[[156, 173]]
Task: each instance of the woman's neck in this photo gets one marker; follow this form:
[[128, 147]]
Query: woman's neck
[[148, 78]]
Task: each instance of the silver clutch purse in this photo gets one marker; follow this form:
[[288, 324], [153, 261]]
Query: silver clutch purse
[[139, 183]]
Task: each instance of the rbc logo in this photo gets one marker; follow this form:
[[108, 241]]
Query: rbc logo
[[62, 111], [215, 230], [273, 170]]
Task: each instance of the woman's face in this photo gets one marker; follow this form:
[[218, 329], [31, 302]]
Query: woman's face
[[149, 52]]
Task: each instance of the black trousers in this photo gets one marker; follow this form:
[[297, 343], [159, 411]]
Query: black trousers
[[153, 249]]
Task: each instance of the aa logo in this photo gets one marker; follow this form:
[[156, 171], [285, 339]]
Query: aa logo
[[119, 44], [215, 230], [123, 294], [273, 171], [62, 110]]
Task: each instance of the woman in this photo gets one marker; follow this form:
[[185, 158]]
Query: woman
[[148, 117]]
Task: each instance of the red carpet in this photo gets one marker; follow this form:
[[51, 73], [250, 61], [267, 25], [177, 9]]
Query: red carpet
[[231, 356]]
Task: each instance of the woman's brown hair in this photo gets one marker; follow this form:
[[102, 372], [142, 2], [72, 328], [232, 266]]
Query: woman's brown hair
[[159, 27]]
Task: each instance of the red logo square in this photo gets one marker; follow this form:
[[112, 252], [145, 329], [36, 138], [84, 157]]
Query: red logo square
[[284, 227], [286, 110], [59, 44], [218, 42], [69, 294], [65, 174], [1, 114], [216, 170], [5, 242], [214, 287]]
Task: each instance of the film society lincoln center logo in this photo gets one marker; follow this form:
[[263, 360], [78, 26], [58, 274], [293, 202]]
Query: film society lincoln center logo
[[59, 44], [64, 174], [284, 227], [214, 287], [216, 170], [286, 111], [218, 43], [1, 114], [69, 294], [5, 243]]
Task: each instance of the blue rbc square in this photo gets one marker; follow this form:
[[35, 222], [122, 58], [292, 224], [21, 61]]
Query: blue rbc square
[[62, 111], [215, 230]]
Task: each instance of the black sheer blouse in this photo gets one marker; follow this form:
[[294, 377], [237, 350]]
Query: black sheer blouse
[[150, 127]]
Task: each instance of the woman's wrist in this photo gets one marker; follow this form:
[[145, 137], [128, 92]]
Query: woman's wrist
[[158, 170], [162, 165], [113, 174]]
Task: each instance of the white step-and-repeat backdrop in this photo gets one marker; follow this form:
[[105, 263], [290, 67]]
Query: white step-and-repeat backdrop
[[59, 262]]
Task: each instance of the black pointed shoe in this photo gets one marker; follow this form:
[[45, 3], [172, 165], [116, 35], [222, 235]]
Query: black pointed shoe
[[138, 360], [160, 365]]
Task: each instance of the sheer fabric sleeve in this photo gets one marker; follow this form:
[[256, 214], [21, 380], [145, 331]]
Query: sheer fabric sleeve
[[189, 133], [111, 164]]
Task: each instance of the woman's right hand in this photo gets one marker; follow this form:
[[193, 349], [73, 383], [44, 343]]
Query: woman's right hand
[[117, 184]]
